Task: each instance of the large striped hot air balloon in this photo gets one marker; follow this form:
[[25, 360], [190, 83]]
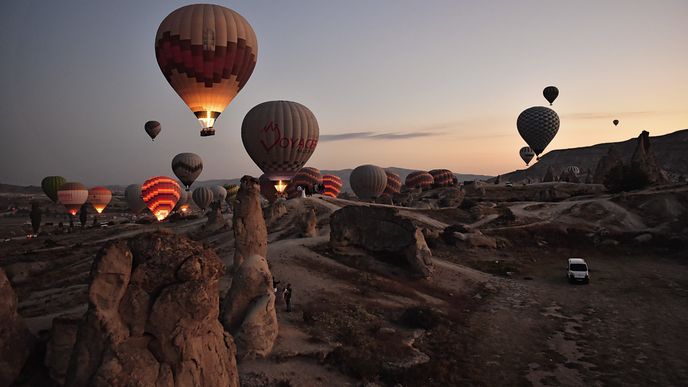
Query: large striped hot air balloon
[[202, 196], [160, 194], [332, 185], [187, 167], [368, 181], [99, 197], [280, 137], [442, 177], [419, 179], [306, 178], [51, 184], [207, 53], [393, 183], [132, 195], [72, 195], [538, 125]]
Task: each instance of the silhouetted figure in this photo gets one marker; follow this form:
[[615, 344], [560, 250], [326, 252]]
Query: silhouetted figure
[[71, 221], [35, 216], [83, 214], [274, 284], [95, 221], [287, 297]]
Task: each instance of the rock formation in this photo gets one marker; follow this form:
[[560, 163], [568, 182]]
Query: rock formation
[[549, 175], [15, 339], [644, 159], [608, 162], [274, 211], [60, 346], [153, 318], [249, 308], [250, 232], [308, 223], [381, 230]]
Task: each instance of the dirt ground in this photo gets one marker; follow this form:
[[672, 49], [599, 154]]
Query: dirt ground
[[487, 317]]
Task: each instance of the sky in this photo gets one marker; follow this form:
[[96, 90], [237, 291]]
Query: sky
[[412, 84]]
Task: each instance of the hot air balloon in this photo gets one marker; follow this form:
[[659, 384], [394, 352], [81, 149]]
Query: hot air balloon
[[538, 125], [219, 193], [368, 181], [442, 177], [307, 178], [267, 188], [332, 185], [132, 195], [160, 194], [99, 197], [51, 184], [152, 128], [393, 183], [232, 191], [572, 169], [202, 196], [551, 93], [72, 195], [615, 122], [183, 202], [419, 179], [187, 167], [280, 137], [207, 53], [526, 154]]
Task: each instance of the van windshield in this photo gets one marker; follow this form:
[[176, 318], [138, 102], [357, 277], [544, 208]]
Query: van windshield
[[578, 267]]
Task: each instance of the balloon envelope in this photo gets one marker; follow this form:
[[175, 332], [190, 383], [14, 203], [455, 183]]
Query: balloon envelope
[[537, 126], [207, 53], [202, 196], [307, 178], [134, 199], [368, 181], [50, 186], [615, 122], [393, 183], [551, 93], [161, 194], [280, 137], [419, 179], [442, 177], [72, 195], [332, 185], [99, 197], [219, 193], [187, 167], [526, 154], [152, 128]]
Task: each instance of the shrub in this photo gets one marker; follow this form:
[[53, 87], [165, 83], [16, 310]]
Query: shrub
[[626, 178]]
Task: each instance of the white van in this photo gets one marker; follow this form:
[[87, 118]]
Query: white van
[[577, 270]]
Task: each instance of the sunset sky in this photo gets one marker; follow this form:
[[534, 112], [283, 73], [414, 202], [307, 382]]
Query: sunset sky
[[413, 84]]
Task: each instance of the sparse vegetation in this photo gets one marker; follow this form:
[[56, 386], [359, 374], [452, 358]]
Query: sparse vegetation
[[626, 178]]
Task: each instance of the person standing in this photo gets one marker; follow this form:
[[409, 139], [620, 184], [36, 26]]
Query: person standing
[[35, 216], [287, 297]]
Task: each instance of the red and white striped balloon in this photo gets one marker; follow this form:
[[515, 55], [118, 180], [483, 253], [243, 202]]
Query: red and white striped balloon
[[161, 194]]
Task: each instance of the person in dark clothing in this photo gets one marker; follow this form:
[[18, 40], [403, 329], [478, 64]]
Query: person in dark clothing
[[287, 297], [35, 216], [83, 215]]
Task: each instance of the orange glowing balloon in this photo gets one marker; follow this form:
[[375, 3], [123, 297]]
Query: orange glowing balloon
[[99, 197], [161, 194]]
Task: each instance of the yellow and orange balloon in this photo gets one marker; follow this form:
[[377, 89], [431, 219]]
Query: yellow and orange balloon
[[207, 53], [161, 194]]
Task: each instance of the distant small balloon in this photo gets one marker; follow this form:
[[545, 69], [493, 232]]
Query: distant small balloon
[[551, 93], [526, 154], [72, 195], [202, 196], [616, 122], [187, 167], [153, 129]]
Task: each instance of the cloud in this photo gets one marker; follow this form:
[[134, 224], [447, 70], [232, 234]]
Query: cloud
[[602, 115], [376, 136]]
